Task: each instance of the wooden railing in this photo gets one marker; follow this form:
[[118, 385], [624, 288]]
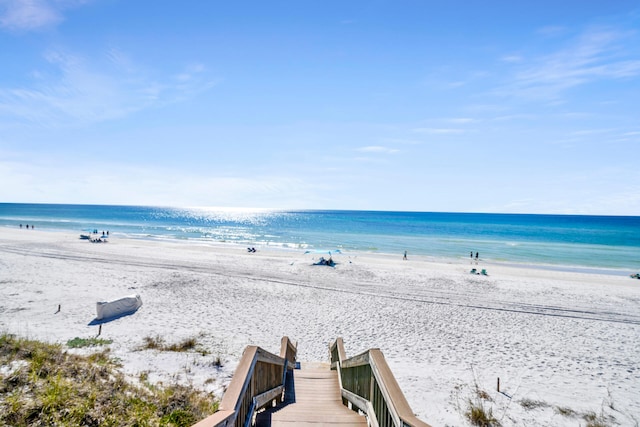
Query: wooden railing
[[258, 381], [367, 384]]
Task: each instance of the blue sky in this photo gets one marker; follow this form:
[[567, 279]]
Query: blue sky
[[496, 106]]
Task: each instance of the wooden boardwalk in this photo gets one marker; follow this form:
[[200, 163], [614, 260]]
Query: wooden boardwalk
[[270, 390], [312, 399]]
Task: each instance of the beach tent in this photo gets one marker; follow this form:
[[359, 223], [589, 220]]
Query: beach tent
[[330, 262], [323, 251]]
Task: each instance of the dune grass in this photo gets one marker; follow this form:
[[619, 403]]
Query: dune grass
[[529, 404], [87, 342], [158, 343], [188, 344], [41, 384], [479, 415]]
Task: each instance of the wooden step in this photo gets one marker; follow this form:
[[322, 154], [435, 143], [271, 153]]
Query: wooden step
[[315, 401]]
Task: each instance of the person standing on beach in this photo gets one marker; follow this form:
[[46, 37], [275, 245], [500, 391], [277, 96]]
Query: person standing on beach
[[476, 256], [405, 256]]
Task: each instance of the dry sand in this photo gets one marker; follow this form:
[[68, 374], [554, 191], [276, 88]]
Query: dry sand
[[557, 340]]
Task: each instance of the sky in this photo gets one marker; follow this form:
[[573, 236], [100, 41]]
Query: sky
[[445, 106]]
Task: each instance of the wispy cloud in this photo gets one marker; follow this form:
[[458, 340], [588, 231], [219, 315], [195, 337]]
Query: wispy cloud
[[590, 132], [115, 183], [518, 117], [377, 149], [402, 141], [512, 58], [439, 131], [29, 15], [552, 31], [597, 54], [85, 91], [461, 120], [601, 135]]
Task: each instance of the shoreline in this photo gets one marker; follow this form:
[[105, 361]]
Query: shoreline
[[428, 258], [566, 339]]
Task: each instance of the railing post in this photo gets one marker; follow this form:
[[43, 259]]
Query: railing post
[[372, 383]]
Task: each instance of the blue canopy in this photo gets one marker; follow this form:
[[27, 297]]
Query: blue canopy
[[323, 251]]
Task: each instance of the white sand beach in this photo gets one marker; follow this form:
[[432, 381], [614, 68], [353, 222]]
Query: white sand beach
[[559, 341]]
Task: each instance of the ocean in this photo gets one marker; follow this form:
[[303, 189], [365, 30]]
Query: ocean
[[599, 243]]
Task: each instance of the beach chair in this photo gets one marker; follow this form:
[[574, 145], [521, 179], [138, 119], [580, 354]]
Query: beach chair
[[484, 272]]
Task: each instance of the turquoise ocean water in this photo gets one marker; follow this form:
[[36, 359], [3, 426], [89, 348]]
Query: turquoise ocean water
[[555, 241]]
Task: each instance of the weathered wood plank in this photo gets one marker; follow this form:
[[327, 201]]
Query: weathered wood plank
[[318, 402], [219, 419]]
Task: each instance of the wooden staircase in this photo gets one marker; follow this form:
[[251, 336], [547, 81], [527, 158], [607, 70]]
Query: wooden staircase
[[312, 398], [270, 390]]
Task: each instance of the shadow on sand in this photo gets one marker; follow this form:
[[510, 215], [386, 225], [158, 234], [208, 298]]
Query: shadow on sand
[[110, 319]]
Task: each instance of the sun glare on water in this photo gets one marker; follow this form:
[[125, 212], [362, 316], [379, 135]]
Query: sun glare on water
[[231, 214]]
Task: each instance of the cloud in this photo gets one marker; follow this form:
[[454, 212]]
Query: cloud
[[30, 15], [43, 182], [401, 141], [81, 90], [517, 117], [597, 54], [552, 31], [461, 120], [590, 132], [189, 73], [456, 84], [377, 149], [512, 58], [439, 131]]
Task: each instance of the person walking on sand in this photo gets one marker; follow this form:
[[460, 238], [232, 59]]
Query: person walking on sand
[[476, 256], [405, 256]]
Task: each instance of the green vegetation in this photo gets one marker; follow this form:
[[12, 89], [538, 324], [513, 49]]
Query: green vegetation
[[187, 344], [592, 419], [87, 342], [158, 343], [476, 412], [40, 384], [477, 407], [595, 420], [479, 416], [533, 404], [567, 412]]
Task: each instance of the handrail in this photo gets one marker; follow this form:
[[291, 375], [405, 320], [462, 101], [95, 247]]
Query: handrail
[[259, 379], [288, 351], [367, 383]]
